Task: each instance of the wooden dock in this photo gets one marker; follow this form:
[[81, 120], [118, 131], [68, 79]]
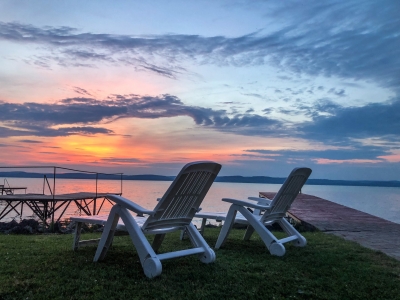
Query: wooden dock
[[369, 231], [46, 206]]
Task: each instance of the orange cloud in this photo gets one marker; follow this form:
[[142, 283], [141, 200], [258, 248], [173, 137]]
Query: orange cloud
[[391, 158]]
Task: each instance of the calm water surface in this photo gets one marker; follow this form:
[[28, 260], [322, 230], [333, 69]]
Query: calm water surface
[[379, 201]]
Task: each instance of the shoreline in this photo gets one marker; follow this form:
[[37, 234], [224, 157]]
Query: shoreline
[[230, 179]]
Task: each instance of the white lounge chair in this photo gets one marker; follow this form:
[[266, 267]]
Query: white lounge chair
[[274, 211], [173, 212], [221, 216]]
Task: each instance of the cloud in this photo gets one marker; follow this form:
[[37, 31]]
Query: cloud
[[30, 141], [47, 152], [337, 92], [330, 122], [267, 110], [254, 95], [321, 107], [88, 55], [7, 132], [289, 111], [116, 160], [81, 91], [86, 114], [40, 131], [360, 134], [66, 111], [346, 39], [351, 153], [341, 123]]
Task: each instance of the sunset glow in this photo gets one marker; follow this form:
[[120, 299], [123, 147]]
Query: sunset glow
[[258, 86]]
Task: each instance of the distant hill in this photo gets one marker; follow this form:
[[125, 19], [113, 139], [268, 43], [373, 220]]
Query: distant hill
[[19, 174], [239, 179], [279, 180]]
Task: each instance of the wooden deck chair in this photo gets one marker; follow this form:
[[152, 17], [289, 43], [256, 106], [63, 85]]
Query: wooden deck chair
[[274, 211], [173, 212]]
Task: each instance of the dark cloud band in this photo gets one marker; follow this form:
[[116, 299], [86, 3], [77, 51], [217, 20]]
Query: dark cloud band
[[40, 119]]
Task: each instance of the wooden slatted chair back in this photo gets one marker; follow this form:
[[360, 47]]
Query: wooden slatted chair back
[[183, 198], [286, 194]]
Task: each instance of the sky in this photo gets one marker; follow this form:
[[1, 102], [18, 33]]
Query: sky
[[143, 87]]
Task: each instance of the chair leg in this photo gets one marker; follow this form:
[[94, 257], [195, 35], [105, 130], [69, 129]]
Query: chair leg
[[248, 233], [77, 236], [182, 235], [201, 230], [152, 267], [203, 225], [158, 239], [290, 230], [268, 238], [108, 234], [226, 228], [197, 240], [277, 249], [148, 258]]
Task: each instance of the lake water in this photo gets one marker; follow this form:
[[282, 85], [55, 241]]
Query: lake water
[[383, 202]]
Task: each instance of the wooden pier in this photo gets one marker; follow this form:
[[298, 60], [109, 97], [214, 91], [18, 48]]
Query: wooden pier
[[46, 206], [369, 231]]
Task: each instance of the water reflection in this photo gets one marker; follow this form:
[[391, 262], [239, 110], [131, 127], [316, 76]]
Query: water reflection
[[382, 202]]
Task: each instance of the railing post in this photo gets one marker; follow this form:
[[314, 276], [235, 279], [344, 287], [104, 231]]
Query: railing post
[[54, 193], [54, 182], [121, 183], [95, 199], [97, 177]]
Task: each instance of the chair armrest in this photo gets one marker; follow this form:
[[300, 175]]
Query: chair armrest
[[126, 203], [245, 203], [260, 200]]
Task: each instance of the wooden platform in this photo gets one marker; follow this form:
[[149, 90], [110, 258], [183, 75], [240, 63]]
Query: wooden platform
[[370, 231], [46, 206]]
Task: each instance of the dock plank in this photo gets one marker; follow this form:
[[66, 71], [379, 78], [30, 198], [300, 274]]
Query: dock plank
[[351, 224]]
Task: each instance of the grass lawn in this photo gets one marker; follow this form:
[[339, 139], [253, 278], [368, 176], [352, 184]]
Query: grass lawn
[[45, 267]]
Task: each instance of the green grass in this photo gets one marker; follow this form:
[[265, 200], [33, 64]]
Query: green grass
[[45, 267]]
